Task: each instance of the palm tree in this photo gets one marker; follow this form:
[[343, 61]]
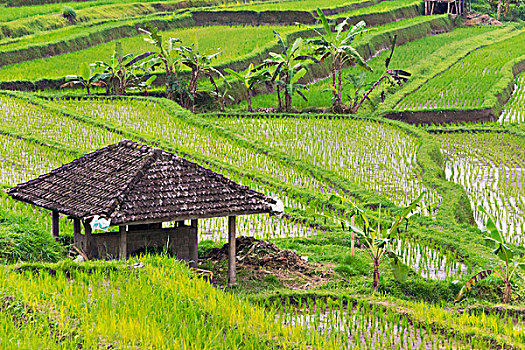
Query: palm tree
[[250, 79], [120, 73], [337, 46], [291, 85], [288, 64]]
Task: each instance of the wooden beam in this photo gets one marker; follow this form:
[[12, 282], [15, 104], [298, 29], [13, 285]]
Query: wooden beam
[[232, 266], [123, 248], [55, 230], [194, 217]]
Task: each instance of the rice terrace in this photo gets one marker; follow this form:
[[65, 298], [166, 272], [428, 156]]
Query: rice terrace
[[262, 174]]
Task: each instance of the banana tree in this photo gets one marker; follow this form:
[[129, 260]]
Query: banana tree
[[378, 241], [200, 65], [169, 56], [120, 74], [86, 78], [291, 85], [286, 65], [223, 94], [337, 46], [250, 79], [506, 271], [391, 77]]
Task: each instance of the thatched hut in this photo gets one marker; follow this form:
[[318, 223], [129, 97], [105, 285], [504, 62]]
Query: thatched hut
[[138, 188]]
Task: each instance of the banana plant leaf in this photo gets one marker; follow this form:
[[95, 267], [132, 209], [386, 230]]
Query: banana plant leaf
[[472, 282]]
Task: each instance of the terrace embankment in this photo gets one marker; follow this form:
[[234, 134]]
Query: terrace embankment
[[287, 17], [376, 43], [443, 116], [502, 93]]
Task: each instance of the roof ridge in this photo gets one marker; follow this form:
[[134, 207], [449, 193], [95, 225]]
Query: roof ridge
[[148, 159]]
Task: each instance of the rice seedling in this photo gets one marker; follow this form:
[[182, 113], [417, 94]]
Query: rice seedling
[[249, 41], [430, 261], [490, 166], [23, 160], [379, 157], [467, 83], [20, 116], [514, 109], [104, 304]]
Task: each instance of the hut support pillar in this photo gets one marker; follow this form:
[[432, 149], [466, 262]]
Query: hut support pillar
[[194, 250], [88, 241], [55, 224], [77, 234], [232, 273], [123, 247]]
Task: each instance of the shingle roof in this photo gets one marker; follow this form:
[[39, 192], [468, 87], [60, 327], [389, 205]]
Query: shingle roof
[[132, 183]]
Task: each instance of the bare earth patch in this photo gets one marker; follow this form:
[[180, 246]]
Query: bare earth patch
[[257, 259]]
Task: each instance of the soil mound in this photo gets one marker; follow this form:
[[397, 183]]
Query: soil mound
[[257, 253], [475, 19]]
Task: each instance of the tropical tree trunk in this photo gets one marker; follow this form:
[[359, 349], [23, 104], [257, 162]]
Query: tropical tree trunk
[[506, 8], [365, 96], [507, 291], [340, 82], [334, 83], [279, 98], [352, 237], [193, 88], [249, 99], [87, 89], [498, 13], [287, 96], [375, 283]]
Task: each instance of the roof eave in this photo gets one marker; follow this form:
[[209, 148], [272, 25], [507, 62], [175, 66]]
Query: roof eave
[[190, 217]]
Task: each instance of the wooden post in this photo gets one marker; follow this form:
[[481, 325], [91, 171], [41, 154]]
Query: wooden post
[[123, 249], [88, 239], [352, 237], [78, 240], [194, 251], [232, 273], [55, 224]]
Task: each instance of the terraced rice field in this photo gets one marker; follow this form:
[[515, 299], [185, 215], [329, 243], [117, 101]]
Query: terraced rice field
[[467, 83], [249, 42], [376, 156], [406, 57], [514, 109], [324, 288], [490, 166]]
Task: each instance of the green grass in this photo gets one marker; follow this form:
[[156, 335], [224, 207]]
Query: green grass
[[248, 41]]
